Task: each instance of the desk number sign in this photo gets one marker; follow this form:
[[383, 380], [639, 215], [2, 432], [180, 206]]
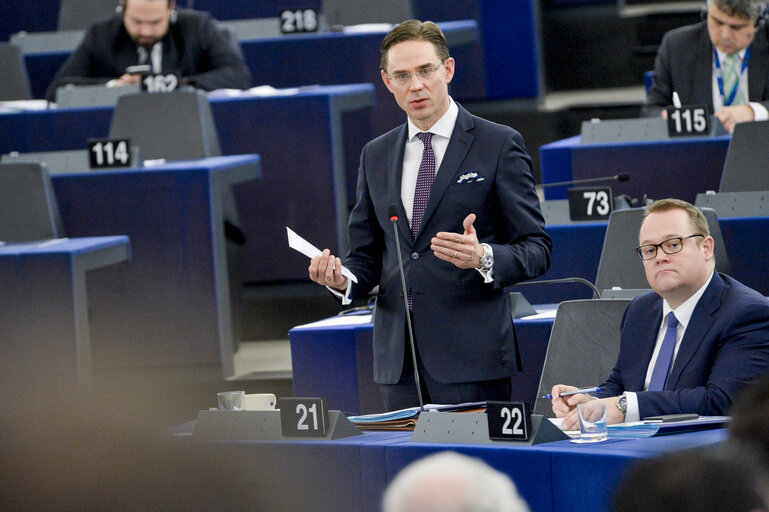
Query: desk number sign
[[590, 203], [508, 421], [109, 153], [160, 83], [303, 417], [688, 120], [293, 21]]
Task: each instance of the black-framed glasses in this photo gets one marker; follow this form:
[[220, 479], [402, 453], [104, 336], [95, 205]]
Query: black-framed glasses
[[669, 246], [423, 74]]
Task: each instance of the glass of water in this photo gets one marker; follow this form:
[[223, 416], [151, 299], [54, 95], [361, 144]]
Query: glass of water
[[592, 421]]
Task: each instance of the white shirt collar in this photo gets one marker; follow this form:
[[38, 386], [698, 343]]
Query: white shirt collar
[[442, 127], [722, 56], [685, 310]]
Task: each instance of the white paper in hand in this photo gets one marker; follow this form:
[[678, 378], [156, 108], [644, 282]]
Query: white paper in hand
[[298, 243]]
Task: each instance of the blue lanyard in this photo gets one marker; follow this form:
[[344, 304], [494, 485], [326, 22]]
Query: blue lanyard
[[719, 76]]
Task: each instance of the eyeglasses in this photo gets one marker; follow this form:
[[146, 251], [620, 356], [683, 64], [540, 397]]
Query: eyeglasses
[[423, 74], [669, 246]]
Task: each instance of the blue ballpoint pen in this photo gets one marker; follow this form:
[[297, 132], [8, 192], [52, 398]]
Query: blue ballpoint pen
[[575, 392]]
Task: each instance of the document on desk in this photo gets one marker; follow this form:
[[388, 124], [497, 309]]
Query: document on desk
[[640, 429], [298, 243]]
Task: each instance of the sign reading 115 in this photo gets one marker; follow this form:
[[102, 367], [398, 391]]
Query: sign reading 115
[[105, 153]]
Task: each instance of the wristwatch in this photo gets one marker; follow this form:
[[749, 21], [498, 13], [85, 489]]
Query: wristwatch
[[487, 260], [622, 404]]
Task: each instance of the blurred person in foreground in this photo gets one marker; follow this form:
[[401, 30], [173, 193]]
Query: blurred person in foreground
[[450, 482]]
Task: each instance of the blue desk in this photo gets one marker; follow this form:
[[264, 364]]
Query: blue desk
[[309, 167], [324, 58], [170, 306], [44, 310], [336, 362], [672, 168], [351, 474]]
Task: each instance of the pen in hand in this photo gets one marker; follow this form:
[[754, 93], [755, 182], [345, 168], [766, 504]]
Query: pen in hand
[[575, 392]]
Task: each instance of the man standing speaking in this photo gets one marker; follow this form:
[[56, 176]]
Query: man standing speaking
[[469, 225]]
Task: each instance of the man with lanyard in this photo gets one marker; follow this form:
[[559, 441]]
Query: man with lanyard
[[722, 62]]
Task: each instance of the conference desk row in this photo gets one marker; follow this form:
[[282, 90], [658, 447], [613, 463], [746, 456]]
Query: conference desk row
[[509, 33], [351, 474], [334, 358], [679, 168], [329, 58], [309, 141]]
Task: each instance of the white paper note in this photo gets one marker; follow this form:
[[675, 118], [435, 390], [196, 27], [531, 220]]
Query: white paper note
[[298, 243]]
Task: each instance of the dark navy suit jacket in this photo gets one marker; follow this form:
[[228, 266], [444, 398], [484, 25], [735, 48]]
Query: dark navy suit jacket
[[464, 329], [725, 347], [685, 65]]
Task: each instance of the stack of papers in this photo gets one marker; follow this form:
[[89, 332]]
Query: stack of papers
[[640, 429], [406, 419]]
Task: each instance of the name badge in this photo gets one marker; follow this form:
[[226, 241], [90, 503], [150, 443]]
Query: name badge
[[590, 203], [160, 83], [688, 120], [508, 421], [303, 417], [293, 21], [109, 153]]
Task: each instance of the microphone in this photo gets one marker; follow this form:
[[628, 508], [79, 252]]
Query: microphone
[[392, 211], [563, 280], [623, 176]]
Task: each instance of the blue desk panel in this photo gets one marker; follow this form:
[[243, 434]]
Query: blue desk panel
[[44, 310], [309, 168], [170, 306], [510, 37], [351, 474], [672, 168], [336, 363]]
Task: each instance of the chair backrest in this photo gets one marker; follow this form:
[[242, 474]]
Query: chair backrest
[[28, 208], [583, 346], [81, 14], [14, 81], [174, 126], [619, 264], [747, 160], [355, 12]]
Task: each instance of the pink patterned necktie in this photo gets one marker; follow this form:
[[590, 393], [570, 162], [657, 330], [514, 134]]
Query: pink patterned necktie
[[424, 182], [425, 179]]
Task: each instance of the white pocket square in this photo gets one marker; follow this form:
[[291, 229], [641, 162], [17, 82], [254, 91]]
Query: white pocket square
[[470, 177]]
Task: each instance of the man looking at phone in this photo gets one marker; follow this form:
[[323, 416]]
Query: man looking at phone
[[164, 39]]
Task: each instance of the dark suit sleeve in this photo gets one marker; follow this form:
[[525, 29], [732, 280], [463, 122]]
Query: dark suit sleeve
[[226, 67], [366, 237], [661, 92], [525, 253], [79, 67], [742, 356]]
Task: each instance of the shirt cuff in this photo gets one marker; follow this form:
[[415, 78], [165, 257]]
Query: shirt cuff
[[759, 111], [346, 297], [632, 414]]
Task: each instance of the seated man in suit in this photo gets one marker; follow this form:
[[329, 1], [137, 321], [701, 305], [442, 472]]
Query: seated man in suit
[[722, 62], [690, 344], [153, 32]]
